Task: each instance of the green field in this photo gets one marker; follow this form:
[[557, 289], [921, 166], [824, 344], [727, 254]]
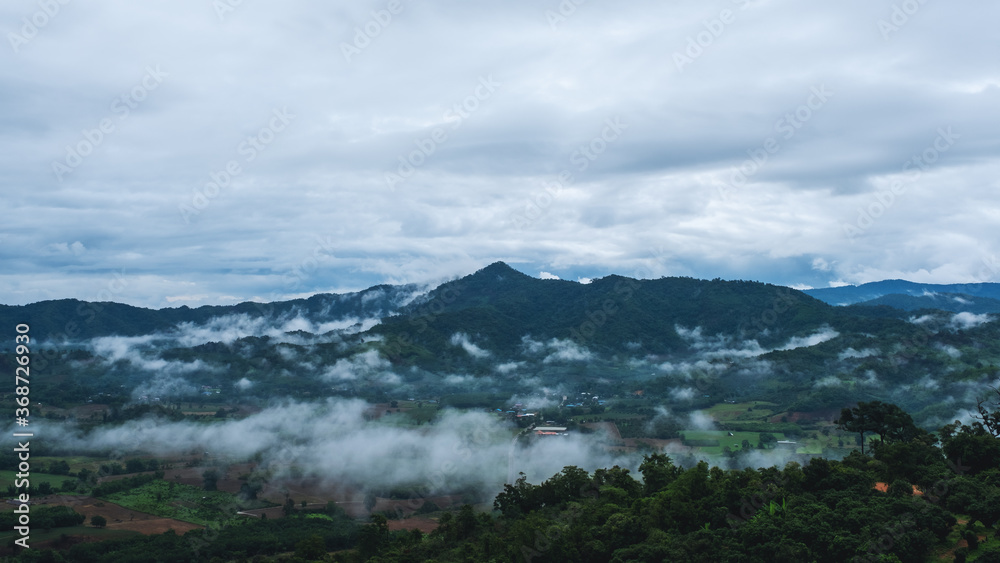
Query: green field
[[761, 410], [734, 442], [76, 463], [184, 502], [8, 478]]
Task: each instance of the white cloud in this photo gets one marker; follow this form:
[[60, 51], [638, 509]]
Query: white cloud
[[462, 340], [819, 337], [829, 381], [857, 354], [486, 192], [508, 367], [565, 350], [339, 446], [821, 265], [698, 420], [682, 393], [950, 350], [967, 320], [366, 364]]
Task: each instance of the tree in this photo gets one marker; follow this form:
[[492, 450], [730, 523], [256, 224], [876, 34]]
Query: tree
[[311, 548], [59, 467], [98, 521], [990, 420], [248, 491], [972, 449], [657, 471], [885, 419], [211, 479], [373, 537], [767, 440]]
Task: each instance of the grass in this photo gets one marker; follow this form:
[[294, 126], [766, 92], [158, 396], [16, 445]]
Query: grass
[[76, 463], [8, 478], [738, 411], [734, 442], [945, 550], [184, 502]]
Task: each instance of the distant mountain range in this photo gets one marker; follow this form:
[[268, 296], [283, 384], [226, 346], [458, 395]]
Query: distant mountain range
[[986, 295], [505, 304], [679, 343], [83, 320]]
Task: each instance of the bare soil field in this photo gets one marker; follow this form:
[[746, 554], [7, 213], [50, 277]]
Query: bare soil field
[[824, 415], [422, 523], [118, 517]]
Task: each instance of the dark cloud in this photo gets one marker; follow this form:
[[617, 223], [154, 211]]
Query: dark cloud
[[490, 103]]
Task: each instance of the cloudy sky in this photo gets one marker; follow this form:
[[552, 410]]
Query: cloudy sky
[[176, 152]]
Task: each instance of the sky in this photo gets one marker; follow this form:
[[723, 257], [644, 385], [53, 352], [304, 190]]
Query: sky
[[190, 152]]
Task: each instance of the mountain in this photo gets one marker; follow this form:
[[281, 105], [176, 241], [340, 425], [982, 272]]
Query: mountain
[[954, 302], [499, 306], [59, 319], [678, 343], [851, 294]]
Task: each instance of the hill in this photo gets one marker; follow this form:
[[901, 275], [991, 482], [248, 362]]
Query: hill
[[954, 302], [58, 319], [851, 294], [500, 306]]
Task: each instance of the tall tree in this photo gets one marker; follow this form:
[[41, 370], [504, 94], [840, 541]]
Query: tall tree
[[885, 419], [990, 420], [211, 479]]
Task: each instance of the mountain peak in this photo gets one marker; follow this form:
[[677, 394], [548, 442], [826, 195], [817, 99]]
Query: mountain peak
[[498, 269]]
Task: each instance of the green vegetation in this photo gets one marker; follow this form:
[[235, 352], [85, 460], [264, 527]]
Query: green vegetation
[[822, 511], [654, 351], [55, 481], [184, 502], [714, 442]]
